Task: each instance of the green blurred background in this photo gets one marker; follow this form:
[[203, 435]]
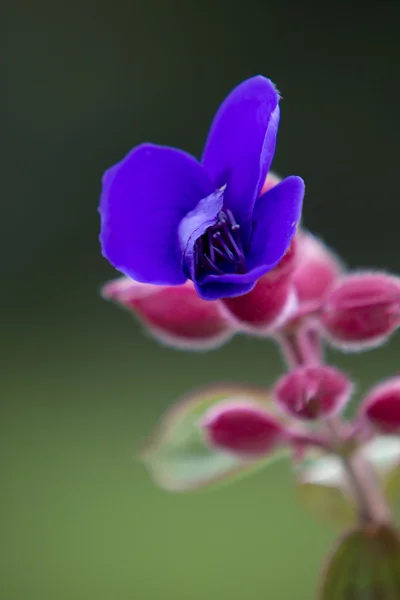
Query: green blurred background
[[82, 385]]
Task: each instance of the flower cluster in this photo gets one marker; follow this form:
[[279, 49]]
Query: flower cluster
[[214, 248], [167, 218]]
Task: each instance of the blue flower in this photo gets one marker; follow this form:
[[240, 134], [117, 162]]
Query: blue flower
[[166, 218]]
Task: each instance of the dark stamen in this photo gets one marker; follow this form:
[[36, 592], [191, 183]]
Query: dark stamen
[[219, 250], [223, 245], [212, 265], [211, 246]]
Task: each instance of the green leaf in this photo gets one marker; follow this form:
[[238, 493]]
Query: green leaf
[[364, 565], [322, 489], [176, 455]]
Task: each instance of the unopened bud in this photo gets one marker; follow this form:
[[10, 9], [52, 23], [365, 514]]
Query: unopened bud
[[362, 311], [175, 315], [271, 181], [381, 406], [313, 392], [316, 271], [265, 308], [242, 428]]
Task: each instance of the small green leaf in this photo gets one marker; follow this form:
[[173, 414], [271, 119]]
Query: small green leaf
[[176, 455], [364, 565], [322, 489]]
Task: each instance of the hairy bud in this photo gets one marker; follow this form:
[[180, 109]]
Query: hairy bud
[[362, 311], [313, 392], [242, 428], [316, 271], [381, 406], [265, 308], [175, 315]]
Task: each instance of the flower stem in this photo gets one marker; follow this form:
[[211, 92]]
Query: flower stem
[[302, 347], [372, 506]]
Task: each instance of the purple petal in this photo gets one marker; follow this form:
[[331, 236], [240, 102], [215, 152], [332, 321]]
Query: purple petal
[[241, 145], [144, 199], [230, 285], [275, 219], [195, 223], [214, 287]]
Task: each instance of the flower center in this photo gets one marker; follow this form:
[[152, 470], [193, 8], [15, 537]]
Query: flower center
[[219, 250]]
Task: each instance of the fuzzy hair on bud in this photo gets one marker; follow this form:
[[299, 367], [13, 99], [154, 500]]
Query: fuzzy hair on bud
[[362, 311], [265, 309], [242, 428], [381, 406], [313, 392], [175, 315], [317, 270]]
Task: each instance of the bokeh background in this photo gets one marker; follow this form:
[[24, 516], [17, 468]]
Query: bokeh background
[[81, 384]]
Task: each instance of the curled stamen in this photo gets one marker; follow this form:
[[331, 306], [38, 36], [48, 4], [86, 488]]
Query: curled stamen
[[224, 246], [211, 246], [219, 250], [239, 252], [212, 265]]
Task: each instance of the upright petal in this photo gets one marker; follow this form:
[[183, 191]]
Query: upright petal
[[275, 219], [144, 198], [241, 144]]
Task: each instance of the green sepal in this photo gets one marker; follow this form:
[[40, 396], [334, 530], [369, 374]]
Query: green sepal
[[365, 564]]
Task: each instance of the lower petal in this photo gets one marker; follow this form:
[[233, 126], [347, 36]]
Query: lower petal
[[214, 290], [230, 285]]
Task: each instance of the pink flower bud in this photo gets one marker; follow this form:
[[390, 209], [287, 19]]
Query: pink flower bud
[[316, 271], [381, 406], [362, 311], [271, 181], [313, 392], [242, 428], [265, 308], [175, 315]]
